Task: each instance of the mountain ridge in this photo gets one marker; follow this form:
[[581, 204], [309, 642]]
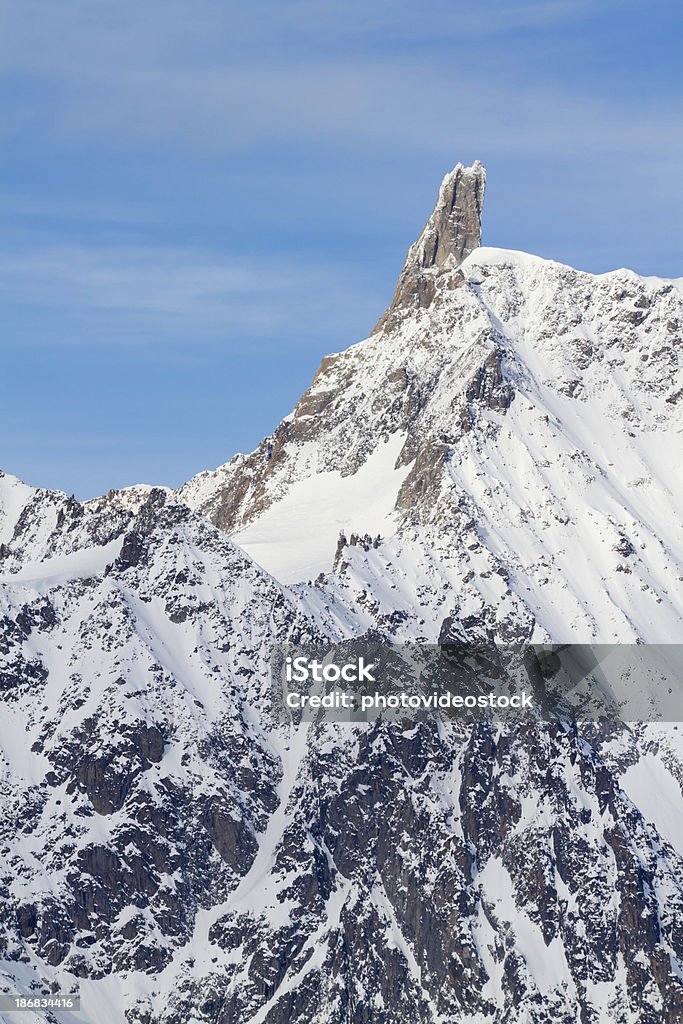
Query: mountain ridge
[[497, 464], [505, 371]]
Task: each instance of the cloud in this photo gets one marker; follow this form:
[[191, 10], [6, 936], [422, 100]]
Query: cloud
[[382, 103], [119, 79], [88, 36], [397, 107], [90, 211], [350, 75], [432, 19], [122, 293]]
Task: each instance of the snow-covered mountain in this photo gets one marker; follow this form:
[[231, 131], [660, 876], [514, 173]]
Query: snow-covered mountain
[[519, 424], [501, 458]]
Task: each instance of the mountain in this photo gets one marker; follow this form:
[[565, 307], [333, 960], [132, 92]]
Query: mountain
[[516, 422], [499, 460]]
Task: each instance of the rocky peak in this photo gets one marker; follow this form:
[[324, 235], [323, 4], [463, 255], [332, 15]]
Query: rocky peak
[[452, 232]]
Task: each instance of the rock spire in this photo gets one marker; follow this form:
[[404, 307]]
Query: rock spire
[[448, 237]]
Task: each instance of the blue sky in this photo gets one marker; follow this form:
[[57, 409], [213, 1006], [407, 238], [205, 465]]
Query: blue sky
[[199, 200]]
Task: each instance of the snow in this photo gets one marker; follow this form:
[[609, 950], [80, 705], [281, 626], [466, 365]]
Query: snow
[[522, 523], [492, 256], [547, 965], [658, 797], [14, 495], [103, 1001], [75, 565], [397, 940], [553, 484], [296, 538], [257, 888]]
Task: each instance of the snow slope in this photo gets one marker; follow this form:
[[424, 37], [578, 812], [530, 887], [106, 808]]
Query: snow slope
[[502, 459], [295, 539], [533, 416]]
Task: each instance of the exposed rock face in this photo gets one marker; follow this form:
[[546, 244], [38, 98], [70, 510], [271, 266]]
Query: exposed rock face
[[152, 790], [517, 423], [36, 523], [512, 424], [452, 232]]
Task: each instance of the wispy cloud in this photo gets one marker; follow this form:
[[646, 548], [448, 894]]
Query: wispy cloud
[[234, 76], [187, 294], [159, 156], [398, 19], [382, 103], [89, 211], [41, 35]]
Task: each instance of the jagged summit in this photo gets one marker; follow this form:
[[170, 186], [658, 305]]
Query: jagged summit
[[452, 232], [505, 463]]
